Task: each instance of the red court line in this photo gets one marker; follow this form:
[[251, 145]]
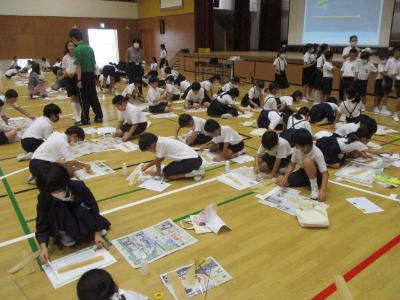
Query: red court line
[[330, 289]]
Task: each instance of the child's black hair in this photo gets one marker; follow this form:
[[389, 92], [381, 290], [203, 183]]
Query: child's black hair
[[162, 46], [353, 51], [352, 37], [281, 51], [153, 79], [11, 93], [331, 99], [66, 46], [167, 70], [364, 55], [328, 55], [51, 109], [43, 58], [302, 138], [196, 86], [235, 79], [170, 78], [260, 84], [297, 94], [161, 83], [352, 93], [269, 140], [119, 99], [308, 47], [303, 111], [323, 48], [153, 59], [52, 178], [211, 126], [214, 78], [76, 34], [273, 86], [233, 92], [35, 67], [146, 140], [184, 120], [96, 284], [76, 130]]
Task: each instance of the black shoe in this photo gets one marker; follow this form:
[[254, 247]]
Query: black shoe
[[98, 120], [78, 123]]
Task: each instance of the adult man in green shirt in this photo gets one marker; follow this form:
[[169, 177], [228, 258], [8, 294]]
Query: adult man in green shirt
[[85, 66]]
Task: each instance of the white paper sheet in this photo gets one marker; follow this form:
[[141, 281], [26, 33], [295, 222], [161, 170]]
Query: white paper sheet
[[196, 110], [208, 159], [60, 279], [247, 115], [374, 145], [365, 205], [258, 131], [126, 147], [240, 178], [98, 168], [322, 133], [106, 130], [241, 159], [357, 173], [252, 123], [213, 221], [155, 185]]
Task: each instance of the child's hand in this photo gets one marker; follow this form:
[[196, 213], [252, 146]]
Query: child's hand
[[44, 255], [269, 176], [321, 196], [125, 137], [99, 241], [281, 181]]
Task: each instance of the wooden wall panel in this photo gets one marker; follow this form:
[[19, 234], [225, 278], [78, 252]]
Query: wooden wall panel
[[263, 71], [244, 69], [35, 37]]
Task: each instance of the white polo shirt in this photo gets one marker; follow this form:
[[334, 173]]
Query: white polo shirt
[[11, 72], [275, 119], [184, 85], [172, 89], [299, 124], [228, 135], [3, 107], [206, 85], [327, 70], [173, 149], [54, 148], [281, 150], [349, 68], [346, 148], [255, 93], [280, 64], [192, 97], [153, 94], [226, 99], [199, 125], [227, 87], [363, 70], [391, 66], [132, 115], [381, 69], [128, 90], [350, 108], [270, 103], [347, 128], [40, 129], [315, 154]]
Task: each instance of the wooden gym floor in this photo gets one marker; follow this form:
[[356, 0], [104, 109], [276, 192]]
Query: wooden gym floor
[[268, 254]]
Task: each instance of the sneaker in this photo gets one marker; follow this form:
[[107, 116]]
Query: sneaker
[[79, 123], [226, 116], [396, 117], [65, 239], [376, 110], [194, 173], [314, 195], [385, 111], [31, 180], [98, 120], [24, 156]]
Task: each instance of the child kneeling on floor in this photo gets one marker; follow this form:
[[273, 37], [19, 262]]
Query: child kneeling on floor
[[132, 121], [66, 211], [226, 142], [185, 163], [273, 155], [197, 135], [97, 284], [312, 172]]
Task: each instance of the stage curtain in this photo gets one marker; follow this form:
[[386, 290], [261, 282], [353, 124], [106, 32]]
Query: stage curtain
[[204, 36], [270, 25], [242, 26]]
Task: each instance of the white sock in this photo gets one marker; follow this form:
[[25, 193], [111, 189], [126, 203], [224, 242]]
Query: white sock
[[76, 111], [314, 185]]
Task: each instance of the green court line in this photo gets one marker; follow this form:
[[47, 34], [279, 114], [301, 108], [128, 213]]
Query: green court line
[[18, 212], [390, 142]]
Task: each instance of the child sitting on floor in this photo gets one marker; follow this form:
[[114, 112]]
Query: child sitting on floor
[[97, 284], [185, 163], [39, 131], [157, 98], [273, 155], [312, 172], [197, 135], [132, 121], [224, 105], [226, 142], [66, 211]]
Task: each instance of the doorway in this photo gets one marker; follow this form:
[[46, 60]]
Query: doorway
[[105, 45]]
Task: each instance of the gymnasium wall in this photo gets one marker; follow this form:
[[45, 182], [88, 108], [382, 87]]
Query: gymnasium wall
[[151, 8], [36, 37]]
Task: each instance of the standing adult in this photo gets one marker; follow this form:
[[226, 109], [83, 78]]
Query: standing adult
[[353, 45], [85, 67], [134, 58]]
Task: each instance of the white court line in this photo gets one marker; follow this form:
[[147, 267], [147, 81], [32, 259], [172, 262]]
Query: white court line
[[118, 208], [13, 173], [364, 191]]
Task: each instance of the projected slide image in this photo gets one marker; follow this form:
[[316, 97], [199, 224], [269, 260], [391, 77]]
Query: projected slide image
[[334, 20]]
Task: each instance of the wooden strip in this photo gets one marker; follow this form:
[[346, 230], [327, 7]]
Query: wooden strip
[[81, 264], [27, 260], [342, 288]]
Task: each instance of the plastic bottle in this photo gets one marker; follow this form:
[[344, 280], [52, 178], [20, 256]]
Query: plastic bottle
[[227, 166], [93, 134], [124, 169]]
